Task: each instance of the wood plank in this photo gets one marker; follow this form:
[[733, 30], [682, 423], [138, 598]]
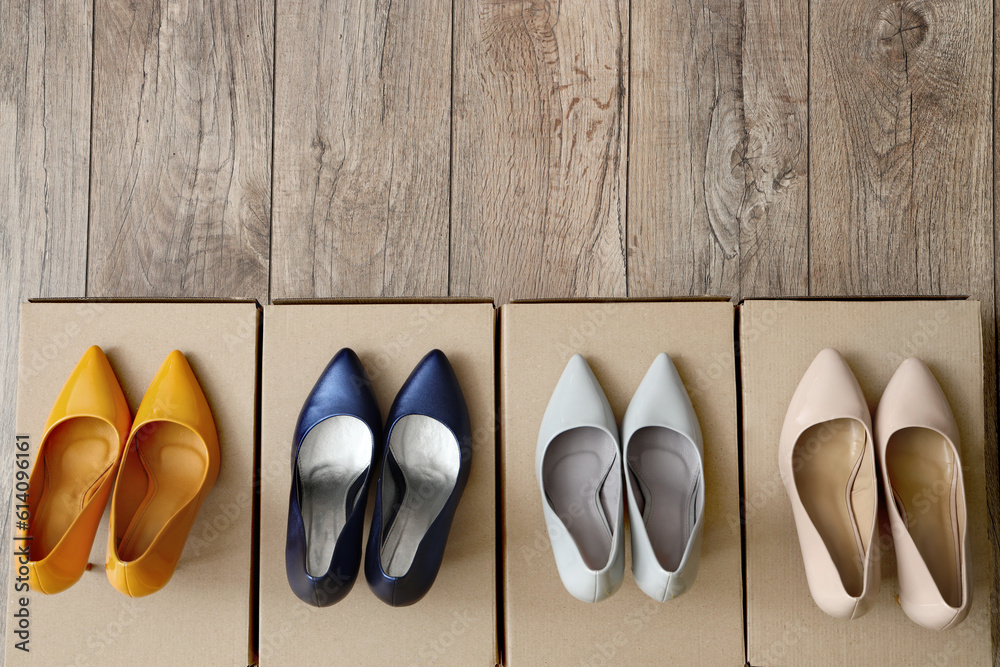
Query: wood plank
[[687, 177], [45, 61], [718, 156], [901, 148], [539, 155], [774, 213], [181, 148], [362, 148], [991, 342], [902, 162]]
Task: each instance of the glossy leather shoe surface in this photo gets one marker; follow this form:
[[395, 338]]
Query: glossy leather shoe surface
[[665, 483], [170, 463], [918, 448], [827, 463], [426, 460], [333, 453], [74, 471], [579, 470]]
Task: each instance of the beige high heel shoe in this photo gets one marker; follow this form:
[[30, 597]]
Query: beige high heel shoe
[[827, 462], [918, 448]]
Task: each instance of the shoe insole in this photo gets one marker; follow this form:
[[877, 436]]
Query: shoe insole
[[333, 455], [836, 486], [174, 462], [78, 454], [665, 471], [428, 457], [576, 480], [922, 471]]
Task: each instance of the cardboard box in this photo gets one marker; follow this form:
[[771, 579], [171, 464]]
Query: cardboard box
[[544, 624], [455, 624], [779, 339], [202, 616]]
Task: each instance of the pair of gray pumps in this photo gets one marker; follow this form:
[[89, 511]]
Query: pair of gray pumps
[[579, 465]]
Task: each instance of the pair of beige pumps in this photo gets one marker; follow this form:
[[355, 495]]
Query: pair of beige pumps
[[827, 460]]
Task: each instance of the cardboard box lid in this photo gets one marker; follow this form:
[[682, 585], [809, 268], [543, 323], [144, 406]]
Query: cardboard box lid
[[543, 623], [456, 623], [380, 300], [779, 339], [202, 616]]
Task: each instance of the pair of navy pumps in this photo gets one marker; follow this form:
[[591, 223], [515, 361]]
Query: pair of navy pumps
[[425, 453]]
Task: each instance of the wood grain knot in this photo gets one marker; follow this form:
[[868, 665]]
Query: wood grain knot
[[902, 28], [536, 12]]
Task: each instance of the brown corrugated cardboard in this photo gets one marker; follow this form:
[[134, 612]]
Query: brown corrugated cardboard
[[543, 623], [202, 616], [455, 624], [779, 339]]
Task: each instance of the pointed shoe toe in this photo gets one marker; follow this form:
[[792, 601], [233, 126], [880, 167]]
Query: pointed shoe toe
[[74, 472], [169, 465], [426, 461], [665, 483], [827, 463], [333, 453], [919, 450], [579, 469]]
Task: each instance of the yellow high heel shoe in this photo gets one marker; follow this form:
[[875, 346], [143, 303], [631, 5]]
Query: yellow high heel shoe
[[74, 470], [170, 463]]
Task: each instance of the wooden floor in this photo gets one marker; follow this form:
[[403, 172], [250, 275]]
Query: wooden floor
[[502, 148]]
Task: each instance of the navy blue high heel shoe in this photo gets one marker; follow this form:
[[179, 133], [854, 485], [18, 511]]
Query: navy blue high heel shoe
[[337, 440], [428, 449]]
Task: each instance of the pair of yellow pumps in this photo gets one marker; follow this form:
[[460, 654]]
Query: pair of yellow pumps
[[161, 465]]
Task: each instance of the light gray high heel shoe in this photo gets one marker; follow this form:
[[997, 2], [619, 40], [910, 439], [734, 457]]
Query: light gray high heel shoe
[[579, 468], [665, 483]]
